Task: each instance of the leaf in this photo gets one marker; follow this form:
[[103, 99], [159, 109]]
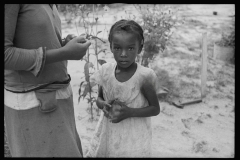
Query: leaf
[[86, 70], [101, 61], [102, 50], [90, 64], [79, 90], [79, 98], [89, 100], [98, 32], [84, 58], [86, 90], [92, 84]]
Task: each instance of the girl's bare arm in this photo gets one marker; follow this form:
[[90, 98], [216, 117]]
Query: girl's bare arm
[[100, 100], [101, 103], [154, 108]]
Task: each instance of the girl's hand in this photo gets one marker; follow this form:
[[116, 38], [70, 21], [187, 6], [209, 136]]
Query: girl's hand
[[106, 107], [122, 113]]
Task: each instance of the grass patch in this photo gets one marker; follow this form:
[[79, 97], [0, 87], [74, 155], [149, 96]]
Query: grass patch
[[220, 79], [187, 90], [191, 48], [180, 55], [190, 72], [210, 75], [163, 78]]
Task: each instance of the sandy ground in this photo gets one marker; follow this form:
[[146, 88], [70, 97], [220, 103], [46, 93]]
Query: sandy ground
[[201, 130]]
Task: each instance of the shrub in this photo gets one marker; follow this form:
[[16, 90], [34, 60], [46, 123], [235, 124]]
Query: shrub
[[227, 40], [157, 22]]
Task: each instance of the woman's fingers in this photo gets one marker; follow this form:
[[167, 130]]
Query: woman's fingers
[[83, 35], [81, 39], [87, 43]]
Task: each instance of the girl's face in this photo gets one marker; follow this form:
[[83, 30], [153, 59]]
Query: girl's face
[[125, 47]]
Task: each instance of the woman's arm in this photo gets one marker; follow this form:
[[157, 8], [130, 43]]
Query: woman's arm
[[26, 59], [73, 50], [152, 110], [14, 58]]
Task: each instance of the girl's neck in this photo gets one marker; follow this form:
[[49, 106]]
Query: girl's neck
[[124, 74], [133, 66]]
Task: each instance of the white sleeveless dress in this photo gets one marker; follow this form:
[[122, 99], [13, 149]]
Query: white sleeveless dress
[[130, 137]]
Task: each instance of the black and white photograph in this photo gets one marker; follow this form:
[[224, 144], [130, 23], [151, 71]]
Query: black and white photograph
[[119, 80]]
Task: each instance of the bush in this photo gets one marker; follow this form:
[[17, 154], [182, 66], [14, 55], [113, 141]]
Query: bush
[[72, 11], [157, 23], [227, 40]]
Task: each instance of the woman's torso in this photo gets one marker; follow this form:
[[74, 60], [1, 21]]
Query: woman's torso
[[38, 25]]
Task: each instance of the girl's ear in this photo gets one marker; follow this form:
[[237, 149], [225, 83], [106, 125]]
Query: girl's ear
[[140, 49], [111, 47]]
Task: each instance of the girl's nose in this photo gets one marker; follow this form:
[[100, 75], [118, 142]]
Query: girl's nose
[[123, 54]]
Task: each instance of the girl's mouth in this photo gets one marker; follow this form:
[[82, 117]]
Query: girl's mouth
[[123, 62]]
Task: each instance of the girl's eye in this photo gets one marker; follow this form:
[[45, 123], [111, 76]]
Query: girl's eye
[[116, 48], [131, 48]]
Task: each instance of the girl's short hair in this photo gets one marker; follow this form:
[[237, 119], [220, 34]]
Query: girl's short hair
[[128, 26]]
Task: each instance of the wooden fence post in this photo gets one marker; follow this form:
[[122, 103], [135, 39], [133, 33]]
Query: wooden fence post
[[204, 66]]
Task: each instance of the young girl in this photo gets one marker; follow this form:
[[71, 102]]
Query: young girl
[[127, 96]]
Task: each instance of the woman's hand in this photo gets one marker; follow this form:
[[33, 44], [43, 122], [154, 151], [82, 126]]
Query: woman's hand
[[76, 48], [68, 38]]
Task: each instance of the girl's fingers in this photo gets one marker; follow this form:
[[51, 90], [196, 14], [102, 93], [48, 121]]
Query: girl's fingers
[[120, 103], [111, 102], [106, 115], [105, 111], [108, 105], [114, 121]]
